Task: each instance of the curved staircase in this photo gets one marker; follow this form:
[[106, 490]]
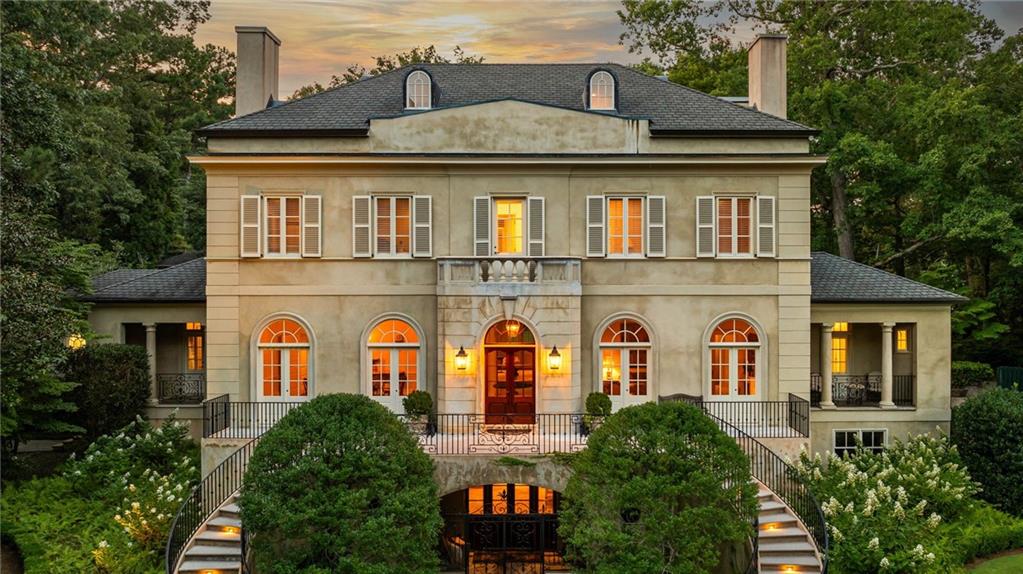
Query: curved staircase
[[783, 542], [216, 547]]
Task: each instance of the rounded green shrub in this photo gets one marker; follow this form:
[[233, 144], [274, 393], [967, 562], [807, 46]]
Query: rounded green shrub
[[339, 485], [659, 488], [418, 403], [598, 404], [971, 374], [988, 430], [113, 386]]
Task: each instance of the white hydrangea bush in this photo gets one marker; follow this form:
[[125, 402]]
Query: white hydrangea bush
[[879, 507]]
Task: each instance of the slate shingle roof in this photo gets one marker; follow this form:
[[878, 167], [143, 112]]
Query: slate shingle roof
[[834, 279], [347, 110], [182, 283]]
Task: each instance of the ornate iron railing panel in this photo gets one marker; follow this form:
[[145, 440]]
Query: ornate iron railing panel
[[862, 390], [447, 434], [181, 388]]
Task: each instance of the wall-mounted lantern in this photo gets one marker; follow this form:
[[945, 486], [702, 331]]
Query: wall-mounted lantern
[[461, 359], [554, 359]]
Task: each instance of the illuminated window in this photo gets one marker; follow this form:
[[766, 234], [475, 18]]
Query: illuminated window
[[193, 326], [417, 91], [394, 355], [734, 368], [511, 499], [625, 362], [840, 353], [284, 350], [625, 226], [902, 340], [283, 225], [393, 226], [734, 225], [840, 327], [602, 91], [508, 215], [195, 354]]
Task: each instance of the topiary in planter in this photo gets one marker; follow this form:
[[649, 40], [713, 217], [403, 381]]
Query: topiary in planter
[[598, 406], [417, 403], [988, 431], [659, 488], [339, 485]]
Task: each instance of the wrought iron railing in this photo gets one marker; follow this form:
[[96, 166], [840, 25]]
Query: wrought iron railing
[[210, 494], [862, 390], [765, 419], [501, 434], [778, 476], [223, 418], [181, 388]]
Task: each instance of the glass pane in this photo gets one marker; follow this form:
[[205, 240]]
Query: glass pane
[[500, 499], [616, 225], [611, 371], [271, 372], [298, 372], [521, 499], [839, 354], [407, 368], [747, 371], [743, 222], [635, 225], [475, 500], [545, 500], [725, 225], [509, 225], [293, 225], [380, 372], [637, 372], [402, 225], [273, 225], [719, 378], [384, 225]]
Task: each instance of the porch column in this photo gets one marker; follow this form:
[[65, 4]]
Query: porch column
[[886, 366], [154, 395], [826, 374]]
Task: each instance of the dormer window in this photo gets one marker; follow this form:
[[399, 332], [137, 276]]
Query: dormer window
[[602, 91], [417, 91]]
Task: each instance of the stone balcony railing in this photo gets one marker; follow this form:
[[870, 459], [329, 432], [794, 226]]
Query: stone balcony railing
[[498, 275]]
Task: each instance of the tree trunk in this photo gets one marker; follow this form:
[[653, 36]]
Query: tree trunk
[[838, 205]]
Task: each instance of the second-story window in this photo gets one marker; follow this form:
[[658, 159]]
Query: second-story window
[[417, 91], [735, 219], [625, 226], [194, 345], [508, 222], [393, 226], [283, 225], [735, 226]]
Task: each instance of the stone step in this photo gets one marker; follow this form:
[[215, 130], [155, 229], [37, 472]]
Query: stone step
[[789, 561], [210, 566], [231, 508], [787, 547], [219, 538], [772, 505], [788, 569], [776, 518], [212, 552], [222, 522], [790, 532]]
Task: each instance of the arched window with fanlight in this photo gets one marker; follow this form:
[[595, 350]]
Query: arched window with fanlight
[[418, 94], [735, 360], [394, 352], [283, 353], [602, 91], [624, 351]]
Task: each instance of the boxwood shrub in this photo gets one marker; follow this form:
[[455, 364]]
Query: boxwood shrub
[[988, 430], [113, 386], [971, 374], [659, 488], [339, 485]]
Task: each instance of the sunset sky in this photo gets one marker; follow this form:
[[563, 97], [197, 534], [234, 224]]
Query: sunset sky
[[321, 37]]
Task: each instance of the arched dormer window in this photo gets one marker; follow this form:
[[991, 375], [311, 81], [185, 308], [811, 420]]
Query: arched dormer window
[[417, 91], [602, 91]]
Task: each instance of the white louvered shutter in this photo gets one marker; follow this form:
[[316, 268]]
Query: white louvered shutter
[[250, 219], [311, 225], [655, 232], [537, 223], [481, 226], [766, 226], [422, 232], [595, 226], [705, 226], [361, 246]]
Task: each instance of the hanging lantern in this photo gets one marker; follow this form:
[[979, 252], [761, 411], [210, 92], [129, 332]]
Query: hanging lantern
[[554, 359]]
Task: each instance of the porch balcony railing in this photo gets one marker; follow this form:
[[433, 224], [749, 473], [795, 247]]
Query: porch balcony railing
[[863, 390], [181, 388], [759, 419], [507, 270]]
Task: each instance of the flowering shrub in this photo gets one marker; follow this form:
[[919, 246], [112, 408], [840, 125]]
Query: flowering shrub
[[882, 509]]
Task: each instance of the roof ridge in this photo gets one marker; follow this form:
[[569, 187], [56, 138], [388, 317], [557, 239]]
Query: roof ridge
[[885, 271]]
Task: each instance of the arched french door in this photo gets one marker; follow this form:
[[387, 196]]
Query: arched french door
[[283, 361], [735, 361], [509, 350], [625, 362], [394, 351]]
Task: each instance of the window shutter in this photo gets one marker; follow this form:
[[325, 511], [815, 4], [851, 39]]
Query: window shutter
[[705, 226], [481, 226], [655, 206], [250, 219], [537, 223], [422, 233], [595, 226], [361, 226], [311, 219], [765, 226]]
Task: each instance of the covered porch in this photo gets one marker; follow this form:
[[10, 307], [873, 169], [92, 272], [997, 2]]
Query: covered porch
[[863, 364]]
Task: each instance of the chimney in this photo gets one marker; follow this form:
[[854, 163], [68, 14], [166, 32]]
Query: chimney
[[767, 91], [256, 77]]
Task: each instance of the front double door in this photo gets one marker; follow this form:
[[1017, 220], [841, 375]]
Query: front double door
[[510, 385]]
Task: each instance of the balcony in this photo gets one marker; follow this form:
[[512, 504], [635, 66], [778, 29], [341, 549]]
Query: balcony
[[181, 388], [502, 275], [862, 390]]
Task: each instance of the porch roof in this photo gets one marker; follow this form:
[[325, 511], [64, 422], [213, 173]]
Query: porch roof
[[834, 279], [181, 283]]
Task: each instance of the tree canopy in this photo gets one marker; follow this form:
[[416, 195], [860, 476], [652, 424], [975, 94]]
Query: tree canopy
[[920, 107]]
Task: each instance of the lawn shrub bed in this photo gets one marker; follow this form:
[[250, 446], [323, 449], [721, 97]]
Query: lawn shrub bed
[[910, 508], [110, 509], [113, 386], [988, 431]]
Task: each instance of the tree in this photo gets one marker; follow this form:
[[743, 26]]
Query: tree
[[920, 116], [986, 429], [340, 485], [659, 488], [112, 386], [417, 55]]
